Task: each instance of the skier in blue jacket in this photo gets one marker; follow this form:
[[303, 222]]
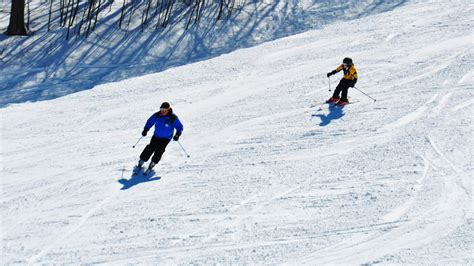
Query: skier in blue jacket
[[165, 122]]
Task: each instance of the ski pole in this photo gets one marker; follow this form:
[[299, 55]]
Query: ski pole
[[183, 148], [365, 94], [329, 83], [137, 142]]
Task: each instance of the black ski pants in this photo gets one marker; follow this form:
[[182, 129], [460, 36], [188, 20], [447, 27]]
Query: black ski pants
[[156, 147], [343, 86]]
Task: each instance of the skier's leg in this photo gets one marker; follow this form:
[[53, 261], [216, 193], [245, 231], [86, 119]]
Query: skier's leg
[[344, 94], [344, 88], [159, 150], [338, 89], [149, 149]]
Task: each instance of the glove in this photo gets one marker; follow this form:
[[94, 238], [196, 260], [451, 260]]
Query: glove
[[144, 132], [176, 137], [354, 81], [331, 73]]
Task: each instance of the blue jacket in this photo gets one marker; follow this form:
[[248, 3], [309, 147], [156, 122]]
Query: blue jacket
[[164, 125]]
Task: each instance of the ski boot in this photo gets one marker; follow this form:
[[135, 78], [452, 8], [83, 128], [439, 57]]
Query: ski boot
[[342, 102], [332, 100], [150, 168], [138, 168]]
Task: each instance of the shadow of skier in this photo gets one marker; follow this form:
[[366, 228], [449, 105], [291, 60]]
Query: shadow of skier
[[335, 112], [135, 180]]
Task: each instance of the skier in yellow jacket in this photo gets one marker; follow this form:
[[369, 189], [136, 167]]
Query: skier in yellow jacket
[[349, 80]]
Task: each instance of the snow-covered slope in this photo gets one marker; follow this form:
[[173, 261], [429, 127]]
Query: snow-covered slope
[[270, 179], [45, 66]]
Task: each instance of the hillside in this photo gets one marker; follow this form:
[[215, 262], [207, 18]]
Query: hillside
[[46, 66], [270, 179]]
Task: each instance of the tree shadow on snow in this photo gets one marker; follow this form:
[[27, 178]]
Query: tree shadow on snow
[[135, 180], [44, 65], [335, 112]]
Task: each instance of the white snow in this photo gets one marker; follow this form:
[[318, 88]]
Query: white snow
[[270, 180]]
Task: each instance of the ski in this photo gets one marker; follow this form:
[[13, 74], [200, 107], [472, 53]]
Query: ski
[[321, 105], [341, 106], [317, 104]]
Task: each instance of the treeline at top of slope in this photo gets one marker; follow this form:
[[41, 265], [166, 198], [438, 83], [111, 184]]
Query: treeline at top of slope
[[78, 44]]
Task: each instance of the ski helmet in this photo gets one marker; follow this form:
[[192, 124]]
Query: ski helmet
[[347, 61], [165, 105]]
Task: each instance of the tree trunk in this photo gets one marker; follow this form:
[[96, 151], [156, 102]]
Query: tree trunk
[[17, 18], [221, 7]]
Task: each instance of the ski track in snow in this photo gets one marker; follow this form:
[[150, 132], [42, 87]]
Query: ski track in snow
[[62, 236], [415, 232], [271, 180]]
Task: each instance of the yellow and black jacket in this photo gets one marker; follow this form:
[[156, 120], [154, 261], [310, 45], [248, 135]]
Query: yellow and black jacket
[[350, 74]]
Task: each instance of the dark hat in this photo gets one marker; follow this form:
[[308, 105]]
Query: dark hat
[[347, 60], [165, 105]]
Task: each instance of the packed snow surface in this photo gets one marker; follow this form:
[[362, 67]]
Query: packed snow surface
[[271, 178]]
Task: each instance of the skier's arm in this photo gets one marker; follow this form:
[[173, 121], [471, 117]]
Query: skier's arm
[[354, 76], [339, 68], [178, 126], [179, 129], [354, 81], [149, 123], [354, 73]]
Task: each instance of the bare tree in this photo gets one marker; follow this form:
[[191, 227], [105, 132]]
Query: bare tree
[[17, 18], [67, 13], [196, 11], [28, 17], [122, 14], [50, 13], [72, 18], [131, 15], [159, 4], [62, 6], [68, 7], [221, 8], [97, 11], [169, 8], [231, 7], [145, 14], [192, 13], [90, 14]]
